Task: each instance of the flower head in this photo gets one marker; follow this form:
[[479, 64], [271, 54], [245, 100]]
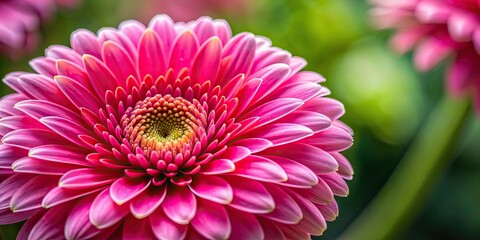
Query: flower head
[[170, 131], [20, 21], [437, 29]]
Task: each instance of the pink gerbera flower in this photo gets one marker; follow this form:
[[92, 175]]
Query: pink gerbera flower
[[20, 21], [170, 131], [437, 28]]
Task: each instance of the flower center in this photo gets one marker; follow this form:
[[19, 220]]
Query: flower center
[[161, 123]]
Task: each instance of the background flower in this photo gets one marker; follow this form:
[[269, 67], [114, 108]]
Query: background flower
[[437, 29], [20, 22], [178, 129]]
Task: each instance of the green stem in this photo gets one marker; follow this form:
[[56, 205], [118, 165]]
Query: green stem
[[404, 193]]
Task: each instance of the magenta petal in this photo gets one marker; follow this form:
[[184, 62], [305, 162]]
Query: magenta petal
[[212, 188], [85, 42], [51, 225], [184, 49], [180, 205], [332, 139], [104, 212], [59, 154], [151, 56], [271, 231], [254, 144], [30, 195], [319, 194], [60, 195], [36, 137], [166, 229], [250, 196], [36, 166], [207, 60], [313, 221], [39, 109], [261, 169], [337, 183], [147, 202], [329, 211], [73, 71], [78, 95], [313, 120], [235, 153], [9, 187], [78, 225], [211, 220], [245, 226], [100, 76], [9, 217], [125, 189], [273, 110], [286, 210], [282, 133], [218, 166], [9, 154], [312, 157], [117, 60], [298, 174], [87, 178]]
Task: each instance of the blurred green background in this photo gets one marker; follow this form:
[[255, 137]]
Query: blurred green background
[[386, 100]]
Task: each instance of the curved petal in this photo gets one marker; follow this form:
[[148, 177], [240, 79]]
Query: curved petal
[[206, 62], [250, 196], [298, 174], [87, 178], [212, 188], [245, 226], [286, 210], [134, 228], [30, 195], [147, 202], [260, 168], [166, 229], [281, 133], [151, 56], [211, 220], [125, 189], [218, 166], [180, 205], [78, 225], [104, 212], [51, 225]]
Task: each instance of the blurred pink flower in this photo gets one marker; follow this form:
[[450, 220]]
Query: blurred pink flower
[[170, 131], [20, 21], [437, 29], [186, 10]]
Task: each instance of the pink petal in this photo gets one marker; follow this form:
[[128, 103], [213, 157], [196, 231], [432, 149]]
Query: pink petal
[[163, 25], [85, 42], [345, 169], [330, 211], [281, 133], [272, 77], [39, 109], [245, 226], [29, 196], [51, 225], [430, 53], [254, 144], [313, 221], [10, 186], [125, 189], [59, 195], [104, 212], [313, 120], [336, 183], [180, 205], [273, 110], [32, 165], [151, 56], [59, 154], [271, 231], [101, 79], [261, 169], [332, 139], [250, 196], [66, 128], [211, 220], [118, 61], [312, 157], [36, 137], [320, 193], [204, 29], [148, 201], [183, 51], [212, 188], [218, 166], [286, 210], [78, 225], [9, 154], [298, 175], [9, 217], [78, 95], [241, 49], [87, 178], [166, 229], [206, 62], [73, 71], [327, 106], [235, 153]]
